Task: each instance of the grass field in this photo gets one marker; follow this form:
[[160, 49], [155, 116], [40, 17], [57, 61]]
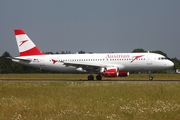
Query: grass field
[[84, 77], [88, 100]]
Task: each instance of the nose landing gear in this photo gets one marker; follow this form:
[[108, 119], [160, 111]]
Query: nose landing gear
[[150, 76]]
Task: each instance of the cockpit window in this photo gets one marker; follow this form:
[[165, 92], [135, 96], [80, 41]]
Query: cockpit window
[[162, 58]]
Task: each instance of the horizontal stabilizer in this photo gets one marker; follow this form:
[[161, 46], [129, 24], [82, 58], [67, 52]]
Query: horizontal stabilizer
[[21, 59]]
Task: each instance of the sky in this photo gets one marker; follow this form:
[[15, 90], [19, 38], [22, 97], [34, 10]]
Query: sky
[[97, 26]]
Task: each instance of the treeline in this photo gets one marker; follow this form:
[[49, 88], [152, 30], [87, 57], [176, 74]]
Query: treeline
[[7, 66]]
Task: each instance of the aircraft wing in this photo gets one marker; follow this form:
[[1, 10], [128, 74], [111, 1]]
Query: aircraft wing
[[21, 59], [91, 66]]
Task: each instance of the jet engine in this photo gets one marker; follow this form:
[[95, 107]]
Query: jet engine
[[113, 72], [110, 72]]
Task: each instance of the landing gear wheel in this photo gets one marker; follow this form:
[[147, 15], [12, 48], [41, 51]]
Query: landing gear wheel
[[90, 77], [151, 78], [98, 77]]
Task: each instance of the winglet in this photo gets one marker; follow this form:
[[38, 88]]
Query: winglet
[[25, 45]]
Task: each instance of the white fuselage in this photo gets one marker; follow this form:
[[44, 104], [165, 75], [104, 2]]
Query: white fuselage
[[74, 62]]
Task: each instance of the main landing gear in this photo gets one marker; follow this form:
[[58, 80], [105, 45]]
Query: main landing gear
[[150, 76], [91, 77]]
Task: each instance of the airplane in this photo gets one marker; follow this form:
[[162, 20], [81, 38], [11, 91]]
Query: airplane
[[102, 64]]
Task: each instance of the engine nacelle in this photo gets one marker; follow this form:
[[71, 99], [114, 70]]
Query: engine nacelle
[[110, 72], [123, 73]]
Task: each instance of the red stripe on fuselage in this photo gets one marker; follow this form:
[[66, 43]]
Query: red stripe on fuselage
[[33, 51]]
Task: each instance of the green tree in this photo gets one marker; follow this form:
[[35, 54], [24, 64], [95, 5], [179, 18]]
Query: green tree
[[5, 64], [49, 53], [176, 63], [65, 52], [8, 66], [81, 52], [138, 50]]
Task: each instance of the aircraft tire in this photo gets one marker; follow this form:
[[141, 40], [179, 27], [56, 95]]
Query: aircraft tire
[[90, 77], [98, 77]]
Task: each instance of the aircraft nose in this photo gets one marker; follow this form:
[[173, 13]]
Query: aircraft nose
[[170, 64]]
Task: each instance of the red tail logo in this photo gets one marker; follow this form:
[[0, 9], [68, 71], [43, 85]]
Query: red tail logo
[[22, 42]]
